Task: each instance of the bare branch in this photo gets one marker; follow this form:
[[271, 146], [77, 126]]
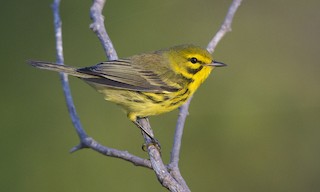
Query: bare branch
[[98, 27], [158, 166], [175, 153], [63, 76], [169, 176], [89, 142], [155, 157], [225, 27], [85, 141]]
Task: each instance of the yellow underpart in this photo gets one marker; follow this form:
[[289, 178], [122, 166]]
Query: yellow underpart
[[144, 104], [199, 78]]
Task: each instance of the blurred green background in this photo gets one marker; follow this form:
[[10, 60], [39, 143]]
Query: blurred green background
[[253, 126]]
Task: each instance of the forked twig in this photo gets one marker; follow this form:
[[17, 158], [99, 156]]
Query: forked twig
[[85, 141], [169, 176], [175, 153]]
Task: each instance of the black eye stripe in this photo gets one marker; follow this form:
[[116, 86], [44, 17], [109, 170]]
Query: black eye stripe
[[194, 60]]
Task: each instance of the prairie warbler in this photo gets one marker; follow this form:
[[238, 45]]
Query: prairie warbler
[[146, 84]]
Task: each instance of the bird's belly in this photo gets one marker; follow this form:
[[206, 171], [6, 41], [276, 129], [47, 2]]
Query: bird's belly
[[144, 104]]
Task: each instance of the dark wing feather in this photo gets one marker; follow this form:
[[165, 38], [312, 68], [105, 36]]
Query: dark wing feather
[[122, 74]]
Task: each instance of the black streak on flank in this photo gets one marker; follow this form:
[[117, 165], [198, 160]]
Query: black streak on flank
[[150, 97], [187, 91], [188, 80], [180, 101]]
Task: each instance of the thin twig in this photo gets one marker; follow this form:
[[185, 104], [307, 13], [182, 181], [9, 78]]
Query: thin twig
[[225, 27], [124, 155], [158, 166], [175, 153], [155, 157], [85, 141], [64, 77], [171, 179], [98, 27]]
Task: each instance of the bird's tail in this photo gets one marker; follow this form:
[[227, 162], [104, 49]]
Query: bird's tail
[[58, 68]]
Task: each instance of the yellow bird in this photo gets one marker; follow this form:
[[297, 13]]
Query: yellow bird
[[149, 83]]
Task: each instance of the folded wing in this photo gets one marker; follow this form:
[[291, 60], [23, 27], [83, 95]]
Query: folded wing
[[122, 74]]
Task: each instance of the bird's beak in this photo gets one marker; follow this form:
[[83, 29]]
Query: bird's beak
[[217, 64]]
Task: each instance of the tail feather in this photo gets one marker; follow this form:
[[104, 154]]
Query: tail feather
[[58, 68]]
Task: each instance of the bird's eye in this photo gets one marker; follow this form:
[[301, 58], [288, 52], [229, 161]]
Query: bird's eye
[[193, 60]]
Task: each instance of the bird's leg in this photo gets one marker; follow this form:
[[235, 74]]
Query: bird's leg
[[154, 141]]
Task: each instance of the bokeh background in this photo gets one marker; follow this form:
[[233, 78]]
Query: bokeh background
[[253, 126]]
